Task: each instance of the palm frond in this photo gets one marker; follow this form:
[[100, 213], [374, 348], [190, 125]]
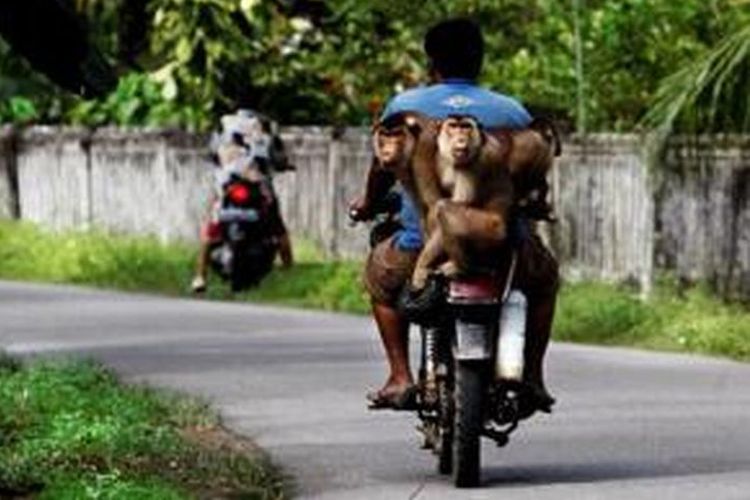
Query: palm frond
[[708, 95]]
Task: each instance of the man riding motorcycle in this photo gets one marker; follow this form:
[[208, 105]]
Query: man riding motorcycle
[[245, 146], [455, 51]]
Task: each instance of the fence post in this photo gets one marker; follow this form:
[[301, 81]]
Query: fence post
[[9, 202], [334, 173]]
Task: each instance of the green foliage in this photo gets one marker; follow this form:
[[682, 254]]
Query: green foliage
[[198, 59], [72, 431], [18, 110], [709, 94], [139, 100]]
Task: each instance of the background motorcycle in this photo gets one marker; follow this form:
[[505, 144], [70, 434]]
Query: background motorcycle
[[245, 253]]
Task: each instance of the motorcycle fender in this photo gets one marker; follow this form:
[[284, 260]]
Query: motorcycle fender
[[473, 342]]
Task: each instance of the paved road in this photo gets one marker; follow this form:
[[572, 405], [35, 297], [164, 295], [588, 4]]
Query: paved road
[[628, 424]]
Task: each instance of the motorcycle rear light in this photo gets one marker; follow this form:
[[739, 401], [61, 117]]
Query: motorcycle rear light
[[238, 193]]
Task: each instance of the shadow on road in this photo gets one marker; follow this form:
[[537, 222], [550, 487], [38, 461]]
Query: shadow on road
[[587, 472]]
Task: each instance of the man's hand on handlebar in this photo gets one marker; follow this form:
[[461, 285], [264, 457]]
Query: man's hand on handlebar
[[359, 210]]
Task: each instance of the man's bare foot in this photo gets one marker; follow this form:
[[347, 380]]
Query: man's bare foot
[[394, 396]]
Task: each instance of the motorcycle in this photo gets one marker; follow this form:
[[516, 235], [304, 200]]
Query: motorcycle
[[470, 378], [246, 248], [470, 375]]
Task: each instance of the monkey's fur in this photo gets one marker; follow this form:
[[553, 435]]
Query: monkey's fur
[[471, 169], [531, 155], [464, 183]]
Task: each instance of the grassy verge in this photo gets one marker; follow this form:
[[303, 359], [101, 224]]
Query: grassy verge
[[144, 264], [70, 430], [672, 319], [683, 321]]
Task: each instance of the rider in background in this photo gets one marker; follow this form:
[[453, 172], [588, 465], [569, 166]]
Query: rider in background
[[455, 49], [245, 145]]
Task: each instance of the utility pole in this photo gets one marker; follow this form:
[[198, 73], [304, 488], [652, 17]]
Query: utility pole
[[580, 78]]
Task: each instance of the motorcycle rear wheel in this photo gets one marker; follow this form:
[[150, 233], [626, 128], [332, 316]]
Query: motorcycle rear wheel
[[469, 389], [445, 439]]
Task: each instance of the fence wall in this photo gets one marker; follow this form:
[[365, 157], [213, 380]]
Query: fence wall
[[618, 219], [602, 197], [702, 219]]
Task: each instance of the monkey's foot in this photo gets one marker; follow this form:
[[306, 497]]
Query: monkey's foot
[[450, 269], [419, 280]]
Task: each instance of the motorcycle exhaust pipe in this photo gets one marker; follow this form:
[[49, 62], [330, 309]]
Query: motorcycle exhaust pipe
[[512, 338]]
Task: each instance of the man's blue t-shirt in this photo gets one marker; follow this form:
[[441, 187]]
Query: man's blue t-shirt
[[451, 97]]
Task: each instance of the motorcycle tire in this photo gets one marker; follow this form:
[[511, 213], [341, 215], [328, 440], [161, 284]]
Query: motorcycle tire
[[469, 391], [238, 279], [248, 272], [445, 439]]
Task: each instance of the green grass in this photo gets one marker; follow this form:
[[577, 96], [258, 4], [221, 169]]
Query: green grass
[[690, 320], [678, 320], [28, 253], [70, 430], [144, 264]]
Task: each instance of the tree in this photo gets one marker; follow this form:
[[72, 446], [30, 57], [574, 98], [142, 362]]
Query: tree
[[336, 61], [709, 95]]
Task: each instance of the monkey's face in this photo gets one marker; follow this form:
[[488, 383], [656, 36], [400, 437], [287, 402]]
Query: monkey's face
[[459, 140], [393, 146]]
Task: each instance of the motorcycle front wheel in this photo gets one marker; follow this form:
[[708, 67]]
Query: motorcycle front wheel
[[467, 430]]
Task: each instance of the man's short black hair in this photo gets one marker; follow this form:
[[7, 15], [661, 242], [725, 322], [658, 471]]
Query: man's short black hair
[[455, 48]]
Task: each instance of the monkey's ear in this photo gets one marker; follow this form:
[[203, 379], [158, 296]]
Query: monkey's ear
[[549, 131], [413, 125]]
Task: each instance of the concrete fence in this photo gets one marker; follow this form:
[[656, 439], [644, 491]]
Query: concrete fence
[[619, 219]]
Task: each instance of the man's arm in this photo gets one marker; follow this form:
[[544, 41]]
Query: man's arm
[[377, 184]]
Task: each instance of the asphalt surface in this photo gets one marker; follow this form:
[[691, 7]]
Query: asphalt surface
[[627, 425]]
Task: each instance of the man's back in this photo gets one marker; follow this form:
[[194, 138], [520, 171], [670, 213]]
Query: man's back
[[461, 97]]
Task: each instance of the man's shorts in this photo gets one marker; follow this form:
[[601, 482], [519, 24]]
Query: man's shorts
[[387, 270]]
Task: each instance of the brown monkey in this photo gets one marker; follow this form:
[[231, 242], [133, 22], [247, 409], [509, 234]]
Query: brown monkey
[[531, 154], [471, 166], [404, 146]]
